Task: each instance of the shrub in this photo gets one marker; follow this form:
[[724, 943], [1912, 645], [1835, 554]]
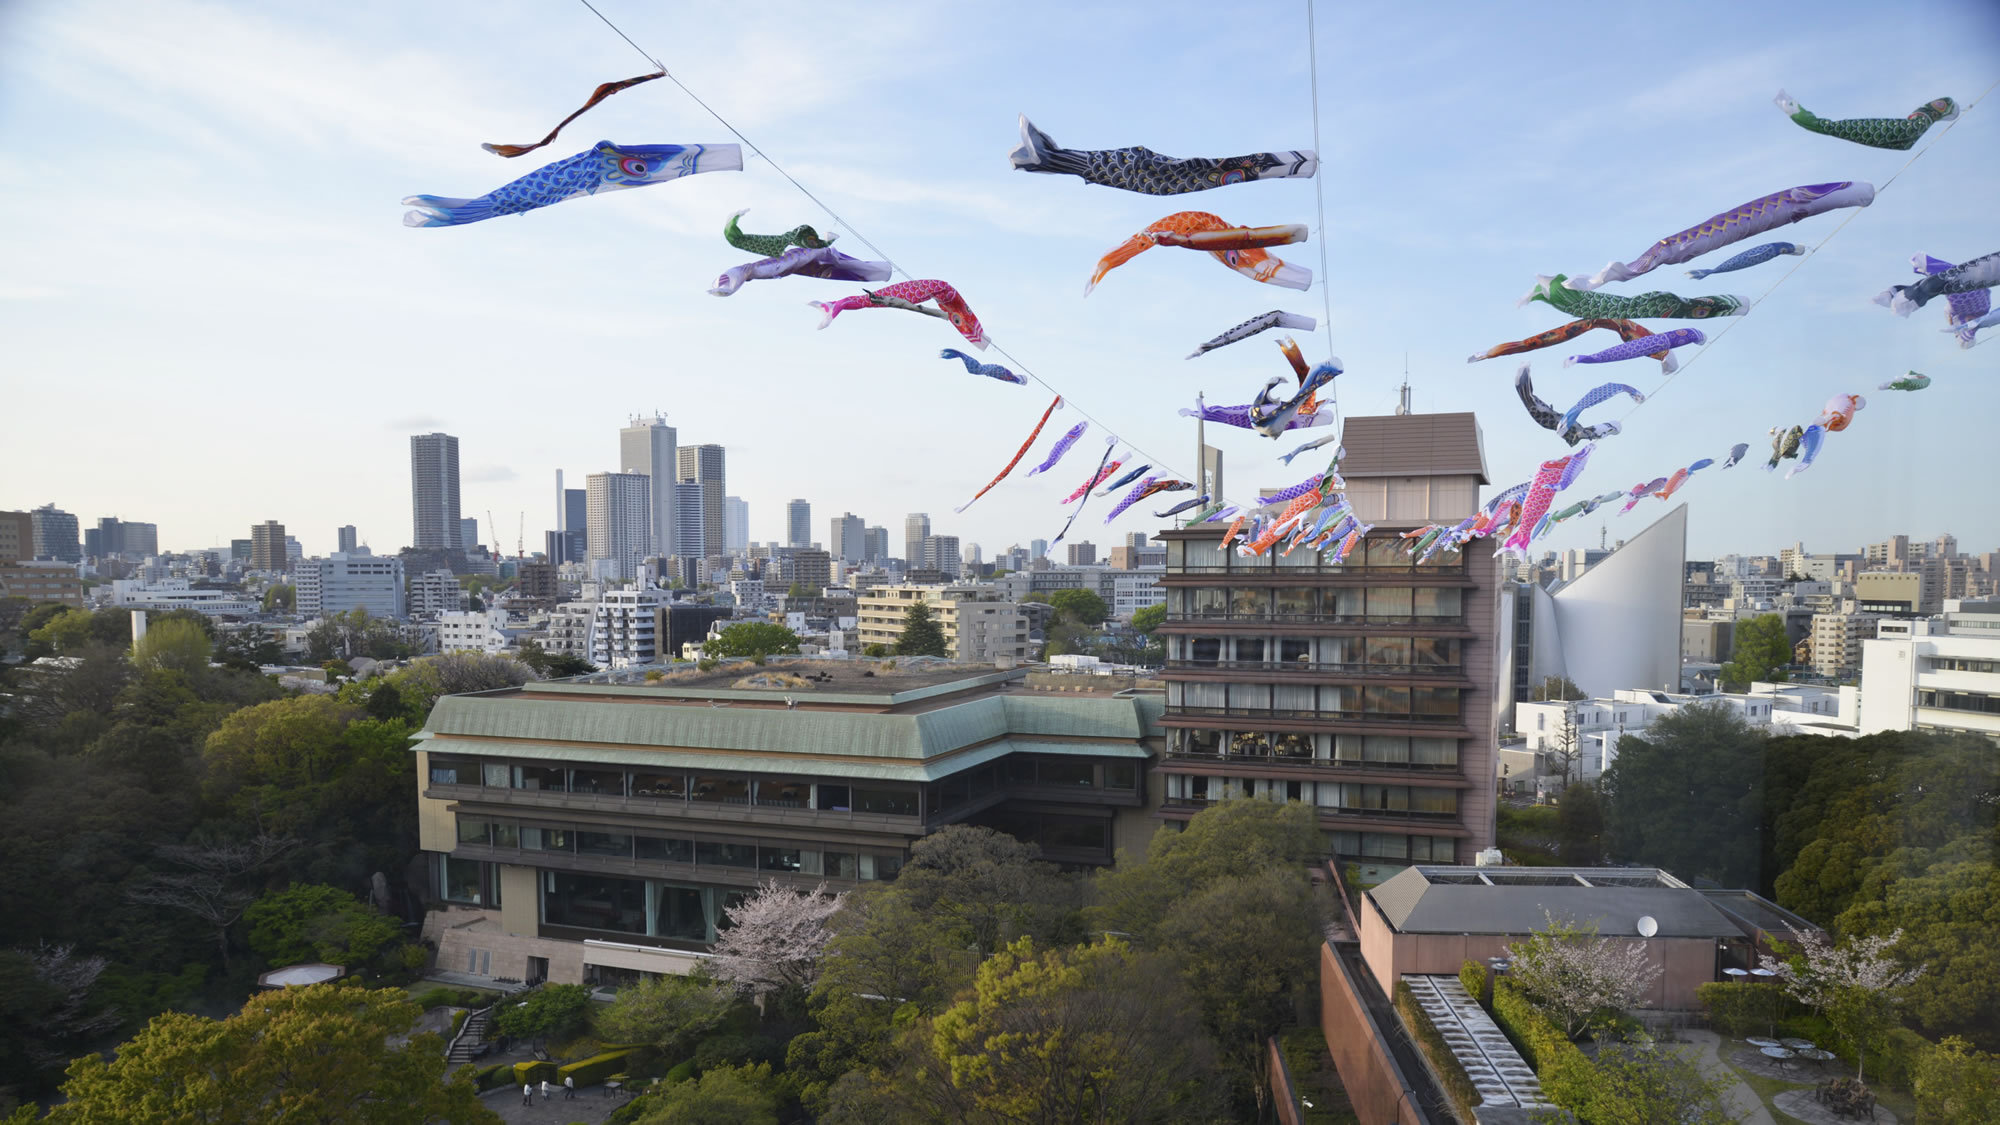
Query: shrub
[[736, 1050], [413, 957], [595, 1069], [457, 1023], [1739, 1010], [495, 1076], [534, 1070], [1457, 1083], [1472, 975], [1956, 1083], [682, 1071], [1566, 1075]]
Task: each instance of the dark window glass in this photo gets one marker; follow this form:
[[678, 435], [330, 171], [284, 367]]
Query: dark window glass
[[506, 836], [1198, 787], [832, 798], [894, 802], [1438, 601], [471, 831], [1205, 650], [594, 902], [1020, 769], [1436, 702], [1385, 552], [1297, 601], [682, 913], [1390, 652], [1121, 775], [1388, 601], [840, 865], [1295, 652], [783, 792], [454, 771], [1209, 601], [1075, 833], [725, 855], [1066, 771], [721, 789], [542, 777], [614, 844], [1434, 652], [884, 867], [1249, 650], [666, 849], [1346, 603], [1249, 601], [782, 858], [1387, 700], [546, 839], [660, 786], [609, 783], [1292, 746], [463, 880]]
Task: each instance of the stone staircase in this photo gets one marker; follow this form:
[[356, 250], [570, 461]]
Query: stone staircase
[[470, 1042]]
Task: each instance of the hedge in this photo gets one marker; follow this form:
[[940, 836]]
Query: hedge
[[597, 1068], [1566, 1075], [1457, 1083], [488, 1077], [1742, 1010], [1472, 977], [682, 1071], [534, 1070]]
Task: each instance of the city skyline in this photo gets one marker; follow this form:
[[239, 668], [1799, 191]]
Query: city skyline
[[1422, 260]]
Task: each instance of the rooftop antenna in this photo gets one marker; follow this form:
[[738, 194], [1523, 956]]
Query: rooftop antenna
[[1603, 537], [1403, 396]]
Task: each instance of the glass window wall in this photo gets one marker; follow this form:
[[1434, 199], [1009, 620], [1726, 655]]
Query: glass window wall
[[594, 902]]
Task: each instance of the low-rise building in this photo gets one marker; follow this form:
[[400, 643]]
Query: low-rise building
[[176, 593], [434, 592], [477, 631], [1940, 673], [978, 629], [1596, 725], [339, 583], [1836, 642], [625, 629], [42, 582]]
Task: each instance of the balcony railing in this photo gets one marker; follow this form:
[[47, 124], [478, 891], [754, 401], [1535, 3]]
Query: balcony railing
[[1250, 569], [1220, 617], [1315, 715], [1199, 803], [1298, 762], [1331, 668]]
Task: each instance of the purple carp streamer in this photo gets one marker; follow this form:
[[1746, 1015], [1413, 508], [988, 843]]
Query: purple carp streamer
[[607, 167], [1183, 506], [1256, 324], [1626, 330], [1287, 495], [1965, 307], [1239, 416], [1105, 467], [1129, 499], [1018, 454], [1142, 170], [824, 262], [1736, 453], [1734, 225], [602, 92], [1061, 447], [1752, 257], [1897, 133], [1122, 481], [1979, 273], [1644, 346], [1596, 395], [990, 370]]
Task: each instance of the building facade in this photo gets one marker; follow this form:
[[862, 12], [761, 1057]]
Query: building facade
[[17, 536], [1836, 643], [978, 629], [916, 529], [625, 629], [735, 525], [348, 539], [339, 583], [268, 550], [847, 538], [569, 829], [434, 513], [45, 581], [434, 592], [55, 534], [1940, 673], [648, 447], [1367, 688], [620, 517], [704, 465]]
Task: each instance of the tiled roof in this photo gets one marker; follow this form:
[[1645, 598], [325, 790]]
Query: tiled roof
[[1413, 445]]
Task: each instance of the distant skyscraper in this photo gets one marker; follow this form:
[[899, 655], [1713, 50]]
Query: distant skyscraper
[[267, 547], [17, 536], [468, 532], [735, 524], [620, 519], [798, 524], [941, 553], [349, 540], [703, 464], [916, 529], [55, 533], [648, 446], [1038, 548], [1083, 554], [847, 538], [576, 525], [877, 540], [434, 492], [690, 537]]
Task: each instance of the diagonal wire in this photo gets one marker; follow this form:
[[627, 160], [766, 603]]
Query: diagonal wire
[[1319, 195], [1021, 367]]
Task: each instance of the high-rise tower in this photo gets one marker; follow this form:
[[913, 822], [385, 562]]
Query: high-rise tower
[[648, 447], [916, 529], [703, 464], [620, 520], [798, 524], [434, 492]]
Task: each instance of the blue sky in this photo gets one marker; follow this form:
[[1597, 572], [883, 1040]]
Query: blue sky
[[212, 314]]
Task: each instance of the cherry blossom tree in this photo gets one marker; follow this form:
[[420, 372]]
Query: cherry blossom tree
[[1578, 978], [1853, 985], [776, 938]]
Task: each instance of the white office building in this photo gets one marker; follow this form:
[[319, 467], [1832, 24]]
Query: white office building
[[339, 583], [1940, 673], [568, 631], [624, 629], [648, 448], [484, 631], [621, 521], [175, 593]]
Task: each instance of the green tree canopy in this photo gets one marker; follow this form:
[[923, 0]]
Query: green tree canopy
[[327, 1054], [726, 1095], [553, 1011], [280, 597], [1080, 607], [670, 1012], [312, 922], [1760, 652], [752, 638], [1149, 618], [1558, 688], [1688, 796], [1228, 840], [177, 644], [922, 636]]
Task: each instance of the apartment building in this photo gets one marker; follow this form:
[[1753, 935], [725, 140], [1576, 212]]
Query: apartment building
[[978, 628], [1365, 688], [41, 582], [625, 629], [339, 583], [434, 592], [1836, 642], [575, 828]]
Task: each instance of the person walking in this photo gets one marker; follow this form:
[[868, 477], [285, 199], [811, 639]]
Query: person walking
[[527, 1094], [569, 1087], [545, 1089]]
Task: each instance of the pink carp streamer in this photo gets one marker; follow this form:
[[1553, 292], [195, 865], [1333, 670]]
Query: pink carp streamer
[[1018, 454], [916, 293]]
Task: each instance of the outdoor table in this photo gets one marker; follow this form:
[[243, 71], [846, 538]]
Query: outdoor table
[[1760, 1041], [1781, 1054], [1736, 974], [1819, 1056], [1797, 1044], [611, 1086]]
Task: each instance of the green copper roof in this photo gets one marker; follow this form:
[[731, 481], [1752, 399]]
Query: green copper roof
[[914, 771]]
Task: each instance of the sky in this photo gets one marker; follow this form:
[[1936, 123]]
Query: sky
[[212, 315]]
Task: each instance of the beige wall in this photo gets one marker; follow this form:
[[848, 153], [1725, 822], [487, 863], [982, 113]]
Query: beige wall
[[520, 900], [437, 829], [17, 536]]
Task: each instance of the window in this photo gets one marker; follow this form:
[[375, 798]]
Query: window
[[1208, 601], [1433, 801], [1295, 652], [1249, 650], [614, 844], [1297, 601], [1345, 603], [454, 771], [506, 836], [881, 867], [1438, 601], [460, 880], [1292, 746], [832, 798], [546, 839], [1075, 834], [1205, 650], [664, 849], [1388, 652], [840, 865], [1388, 700], [721, 789], [471, 831], [1434, 751], [1436, 704], [1121, 775], [1434, 652], [782, 858], [724, 855], [1386, 748], [1388, 603], [609, 783], [784, 792], [1384, 552], [498, 775], [1249, 601], [893, 802], [593, 902], [1342, 650], [660, 786], [550, 778]]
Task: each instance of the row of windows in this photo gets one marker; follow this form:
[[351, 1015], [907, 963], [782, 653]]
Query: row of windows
[[1388, 750], [1043, 770], [776, 857], [1349, 603], [1332, 796], [1960, 664], [1386, 702], [678, 785], [1976, 702], [1371, 554], [1361, 654], [1382, 845]]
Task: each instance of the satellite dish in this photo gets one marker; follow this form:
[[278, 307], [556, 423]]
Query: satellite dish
[[1647, 926]]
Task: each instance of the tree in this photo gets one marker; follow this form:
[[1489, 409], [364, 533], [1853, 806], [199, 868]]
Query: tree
[[1579, 979], [1095, 1033], [310, 922], [1080, 607], [553, 665], [982, 886], [210, 885], [1149, 618], [776, 939], [921, 634], [1650, 1087], [1567, 749], [1228, 840], [1559, 689], [1580, 827], [751, 638], [728, 1095], [249, 647], [1956, 1083], [1760, 653], [670, 1012], [553, 1011], [327, 1053], [1688, 796], [1853, 985], [180, 645], [281, 597], [46, 1012]]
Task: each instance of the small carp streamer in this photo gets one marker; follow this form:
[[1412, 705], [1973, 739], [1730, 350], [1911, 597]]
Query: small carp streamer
[[1129, 476], [1314, 444], [1183, 506], [1018, 454], [1596, 395], [607, 167], [1736, 453], [1756, 256], [1142, 170], [1548, 418], [1239, 248], [1239, 416], [1968, 332], [824, 262], [1256, 324], [1105, 467], [1734, 225], [1061, 447], [1968, 311], [1627, 330], [602, 92], [1875, 132], [990, 370], [1784, 445], [914, 293], [1633, 349], [1654, 305], [772, 245], [1979, 273]]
